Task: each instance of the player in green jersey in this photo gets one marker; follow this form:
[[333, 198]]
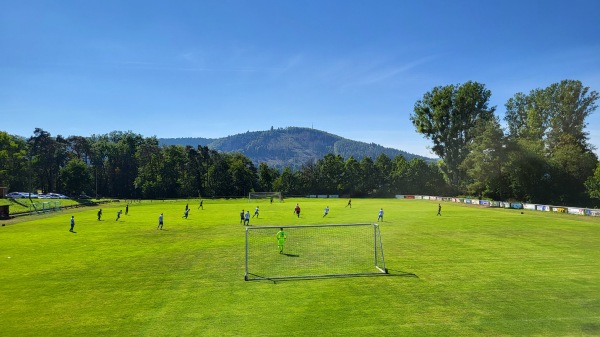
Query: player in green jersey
[[281, 240]]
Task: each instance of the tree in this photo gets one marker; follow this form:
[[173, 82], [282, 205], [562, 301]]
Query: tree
[[149, 178], [485, 161], [528, 172], [331, 171], [75, 177], [243, 174], [592, 184], [13, 162], [368, 180], [571, 166], [287, 182], [552, 122], [44, 160], [172, 172], [554, 115], [383, 167], [352, 176], [121, 165], [447, 116], [266, 177], [219, 177], [309, 178]]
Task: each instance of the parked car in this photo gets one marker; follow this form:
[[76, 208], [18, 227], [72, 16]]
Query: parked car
[[84, 196], [17, 195], [56, 196]]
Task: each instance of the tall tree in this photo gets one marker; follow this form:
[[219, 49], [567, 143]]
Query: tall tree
[[13, 162], [485, 161], [554, 115], [266, 177], [368, 181], [75, 177], [592, 183], [447, 116], [287, 182], [309, 178], [352, 175], [552, 120], [243, 174], [219, 177], [331, 171], [570, 104], [149, 178], [383, 166], [43, 160]]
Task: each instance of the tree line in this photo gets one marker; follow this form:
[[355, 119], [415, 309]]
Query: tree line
[[541, 155], [128, 165]]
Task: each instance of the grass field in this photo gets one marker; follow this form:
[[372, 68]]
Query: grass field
[[470, 272]]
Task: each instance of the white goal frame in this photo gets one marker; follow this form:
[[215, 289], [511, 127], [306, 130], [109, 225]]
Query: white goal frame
[[264, 195], [266, 243]]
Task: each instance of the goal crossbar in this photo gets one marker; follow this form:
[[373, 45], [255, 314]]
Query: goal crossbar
[[312, 251]]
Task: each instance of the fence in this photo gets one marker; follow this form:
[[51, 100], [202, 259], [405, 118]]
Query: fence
[[508, 205]]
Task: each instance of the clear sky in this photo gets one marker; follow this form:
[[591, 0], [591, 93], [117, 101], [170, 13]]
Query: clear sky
[[213, 68]]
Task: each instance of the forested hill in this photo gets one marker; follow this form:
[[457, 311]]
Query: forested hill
[[292, 146]]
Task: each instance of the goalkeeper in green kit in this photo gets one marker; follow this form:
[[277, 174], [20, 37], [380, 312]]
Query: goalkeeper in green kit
[[281, 240]]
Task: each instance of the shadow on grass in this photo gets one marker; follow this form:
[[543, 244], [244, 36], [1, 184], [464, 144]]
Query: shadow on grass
[[390, 272]]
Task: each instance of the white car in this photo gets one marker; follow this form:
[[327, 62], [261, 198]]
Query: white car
[[17, 195], [56, 196]]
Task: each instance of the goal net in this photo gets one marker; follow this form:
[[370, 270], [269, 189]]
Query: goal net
[[314, 251], [264, 195]]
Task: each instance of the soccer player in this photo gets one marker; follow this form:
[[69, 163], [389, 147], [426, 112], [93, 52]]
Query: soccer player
[[326, 211], [281, 240], [439, 209], [247, 219], [297, 210], [99, 214], [242, 217], [255, 212], [380, 215], [201, 204], [72, 223], [349, 203], [185, 214], [119, 214], [160, 221], [126, 209]]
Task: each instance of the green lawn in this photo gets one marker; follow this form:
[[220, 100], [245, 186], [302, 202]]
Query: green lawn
[[470, 272]]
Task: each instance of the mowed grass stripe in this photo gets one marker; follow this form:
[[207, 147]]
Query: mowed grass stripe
[[470, 272]]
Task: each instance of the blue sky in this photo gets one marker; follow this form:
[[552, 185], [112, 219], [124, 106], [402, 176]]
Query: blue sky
[[217, 68]]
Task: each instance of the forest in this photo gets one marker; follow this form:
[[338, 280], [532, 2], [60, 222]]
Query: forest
[[128, 165]]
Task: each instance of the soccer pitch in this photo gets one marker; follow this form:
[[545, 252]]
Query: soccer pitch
[[470, 272]]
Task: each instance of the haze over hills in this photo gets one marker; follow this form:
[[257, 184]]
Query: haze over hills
[[291, 146]]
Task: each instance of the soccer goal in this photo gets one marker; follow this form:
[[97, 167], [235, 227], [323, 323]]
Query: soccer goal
[[314, 251], [264, 195]]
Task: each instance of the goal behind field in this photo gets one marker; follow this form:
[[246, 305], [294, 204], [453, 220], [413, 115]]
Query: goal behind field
[[314, 251], [264, 195]]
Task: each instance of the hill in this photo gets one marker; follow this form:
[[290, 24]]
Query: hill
[[292, 146]]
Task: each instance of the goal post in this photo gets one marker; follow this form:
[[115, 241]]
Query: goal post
[[264, 195], [313, 251]]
